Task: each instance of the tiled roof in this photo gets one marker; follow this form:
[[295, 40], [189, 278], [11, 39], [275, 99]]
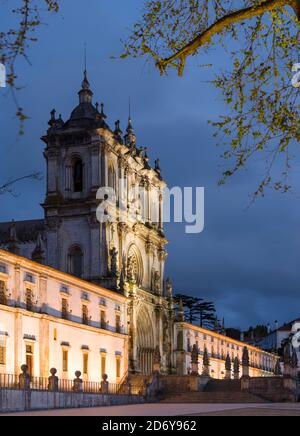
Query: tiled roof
[[287, 327], [26, 230]]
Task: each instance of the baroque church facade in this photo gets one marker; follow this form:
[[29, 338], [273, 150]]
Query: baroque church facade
[[107, 276], [125, 255]]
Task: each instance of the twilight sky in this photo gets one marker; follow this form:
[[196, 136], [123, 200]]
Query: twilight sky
[[246, 258]]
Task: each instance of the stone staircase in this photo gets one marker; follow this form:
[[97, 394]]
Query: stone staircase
[[216, 391], [212, 398], [137, 382], [223, 386]]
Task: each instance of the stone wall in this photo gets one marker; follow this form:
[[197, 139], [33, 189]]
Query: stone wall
[[175, 383], [21, 400], [275, 389]]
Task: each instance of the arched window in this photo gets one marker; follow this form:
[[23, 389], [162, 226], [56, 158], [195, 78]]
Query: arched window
[[78, 175], [76, 261]]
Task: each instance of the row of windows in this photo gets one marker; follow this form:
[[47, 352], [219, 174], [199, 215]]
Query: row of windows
[[65, 361], [222, 343], [65, 312], [254, 361]]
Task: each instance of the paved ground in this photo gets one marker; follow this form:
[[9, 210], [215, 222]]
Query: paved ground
[[180, 410]]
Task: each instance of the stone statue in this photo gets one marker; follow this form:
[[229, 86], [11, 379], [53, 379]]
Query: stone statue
[[53, 380], [156, 283], [157, 355], [294, 364], [169, 288], [156, 360], [246, 360], [287, 353], [294, 359], [157, 166], [130, 270], [114, 270]]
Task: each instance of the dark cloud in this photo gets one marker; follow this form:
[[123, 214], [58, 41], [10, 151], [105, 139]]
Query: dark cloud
[[247, 258]]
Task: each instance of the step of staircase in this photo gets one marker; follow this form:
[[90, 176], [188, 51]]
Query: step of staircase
[[213, 397], [223, 386]]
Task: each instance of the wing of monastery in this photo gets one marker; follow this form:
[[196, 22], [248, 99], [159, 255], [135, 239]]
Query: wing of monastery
[[77, 294]]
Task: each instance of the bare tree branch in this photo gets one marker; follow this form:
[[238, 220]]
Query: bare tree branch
[[216, 28], [8, 187]]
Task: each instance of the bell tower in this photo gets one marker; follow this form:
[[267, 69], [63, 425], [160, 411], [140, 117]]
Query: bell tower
[[82, 155], [73, 157]]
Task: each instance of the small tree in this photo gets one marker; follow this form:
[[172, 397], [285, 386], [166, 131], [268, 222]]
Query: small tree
[[277, 370], [228, 363]]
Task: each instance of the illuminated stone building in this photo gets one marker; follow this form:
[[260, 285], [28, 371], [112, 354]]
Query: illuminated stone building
[[51, 319], [69, 264]]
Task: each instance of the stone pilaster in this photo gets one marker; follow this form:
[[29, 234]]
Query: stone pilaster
[[18, 342], [44, 340]]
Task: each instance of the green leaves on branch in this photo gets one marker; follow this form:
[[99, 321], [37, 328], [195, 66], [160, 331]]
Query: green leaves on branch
[[262, 37]]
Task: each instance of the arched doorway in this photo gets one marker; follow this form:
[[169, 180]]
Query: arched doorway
[[145, 342]]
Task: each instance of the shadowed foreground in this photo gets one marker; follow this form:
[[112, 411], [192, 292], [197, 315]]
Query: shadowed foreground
[[179, 410]]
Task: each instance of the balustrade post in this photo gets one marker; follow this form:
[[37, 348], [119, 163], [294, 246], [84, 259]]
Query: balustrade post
[[24, 378], [78, 382], [53, 380]]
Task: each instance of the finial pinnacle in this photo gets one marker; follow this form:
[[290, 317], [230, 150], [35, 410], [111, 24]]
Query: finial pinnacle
[[85, 58], [129, 113]]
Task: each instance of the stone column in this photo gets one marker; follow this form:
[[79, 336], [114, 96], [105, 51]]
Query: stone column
[[246, 363], [95, 165], [44, 347], [52, 170], [133, 362], [94, 267], [104, 169], [16, 294], [68, 181], [43, 292], [18, 342], [53, 225]]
